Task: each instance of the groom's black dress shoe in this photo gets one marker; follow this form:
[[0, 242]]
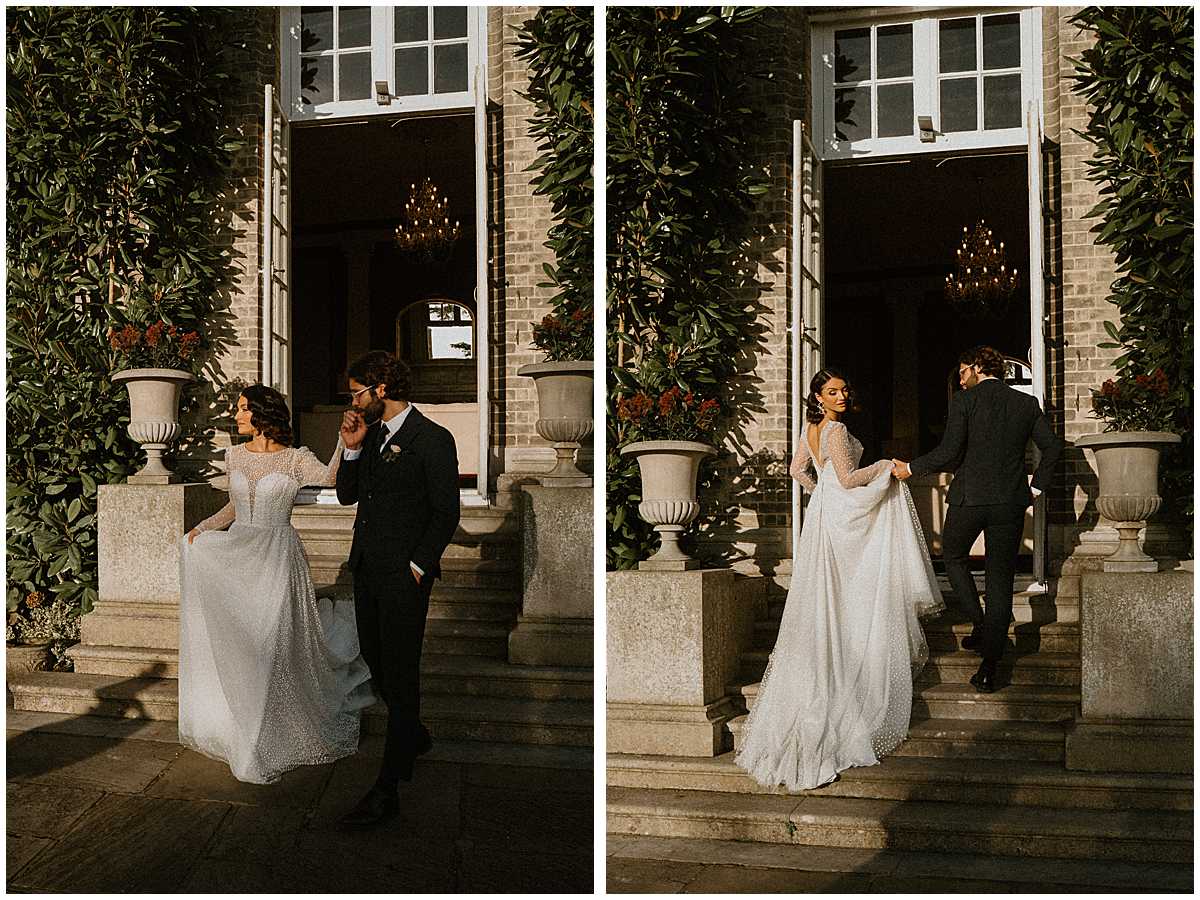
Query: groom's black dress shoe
[[974, 640], [984, 680], [374, 809]]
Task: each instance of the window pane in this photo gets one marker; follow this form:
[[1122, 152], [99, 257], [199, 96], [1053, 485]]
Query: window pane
[[1002, 101], [852, 55], [449, 22], [449, 68], [316, 79], [316, 28], [1002, 41], [411, 23], [958, 105], [852, 114], [956, 45], [412, 71], [895, 110], [354, 27], [454, 342], [355, 72], [893, 52]]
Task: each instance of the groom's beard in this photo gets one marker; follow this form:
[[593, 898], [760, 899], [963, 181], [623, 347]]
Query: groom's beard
[[373, 412]]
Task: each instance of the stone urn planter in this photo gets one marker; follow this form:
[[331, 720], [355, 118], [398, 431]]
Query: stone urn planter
[[154, 417], [564, 409], [1127, 466], [669, 470], [22, 658]]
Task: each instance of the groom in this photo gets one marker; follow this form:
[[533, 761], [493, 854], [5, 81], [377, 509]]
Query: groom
[[987, 429], [402, 471]]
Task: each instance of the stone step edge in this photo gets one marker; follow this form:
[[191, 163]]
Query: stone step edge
[[1003, 872], [1029, 694], [440, 664], [978, 731], [555, 713], [1020, 773], [852, 816]]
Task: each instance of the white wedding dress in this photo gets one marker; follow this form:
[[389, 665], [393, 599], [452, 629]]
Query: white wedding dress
[[269, 678], [837, 691]]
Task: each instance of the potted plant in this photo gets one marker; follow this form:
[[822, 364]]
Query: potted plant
[[667, 427], [38, 632], [564, 386], [1127, 455], [154, 363]]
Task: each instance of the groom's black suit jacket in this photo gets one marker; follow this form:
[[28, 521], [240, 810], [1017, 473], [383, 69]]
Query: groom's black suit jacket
[[408, 501], [987, 429]]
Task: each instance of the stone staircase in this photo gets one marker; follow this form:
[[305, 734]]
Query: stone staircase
[[978, 774], [469, 690]]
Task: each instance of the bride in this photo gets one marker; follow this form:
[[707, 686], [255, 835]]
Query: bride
[[837, 691], [270, 678]]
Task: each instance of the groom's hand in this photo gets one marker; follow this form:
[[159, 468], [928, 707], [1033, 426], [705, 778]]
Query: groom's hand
[[353, 430], [900, 469]]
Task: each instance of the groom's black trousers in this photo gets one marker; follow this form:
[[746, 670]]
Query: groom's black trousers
[[391, 609], [1001, 525]]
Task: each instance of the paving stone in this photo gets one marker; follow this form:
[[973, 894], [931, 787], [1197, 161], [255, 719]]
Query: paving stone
[[88, 762], [649, 876], [45, 810], [521, 778], [549, 820], [428, 803], [196, 777], [743, 879], [388, 859], [258, 832], [127, 845], [492, 871], [19, 850], [925, 885]]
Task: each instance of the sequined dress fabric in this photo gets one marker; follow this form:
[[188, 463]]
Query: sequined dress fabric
[[270, 678], [838, 687]]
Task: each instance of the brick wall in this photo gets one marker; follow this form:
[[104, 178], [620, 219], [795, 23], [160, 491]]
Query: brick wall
[[525, 219], [750, 510]]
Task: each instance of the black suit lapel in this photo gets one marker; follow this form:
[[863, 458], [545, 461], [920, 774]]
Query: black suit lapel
[[412, 424]]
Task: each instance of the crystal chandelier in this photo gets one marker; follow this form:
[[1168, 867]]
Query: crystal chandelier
[[981, 276], [427, 231]]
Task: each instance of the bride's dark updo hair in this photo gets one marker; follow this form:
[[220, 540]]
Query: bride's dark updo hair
[[813, 410], [269, 413]]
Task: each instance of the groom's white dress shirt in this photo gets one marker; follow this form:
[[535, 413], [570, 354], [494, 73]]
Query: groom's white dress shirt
[[392, 425]]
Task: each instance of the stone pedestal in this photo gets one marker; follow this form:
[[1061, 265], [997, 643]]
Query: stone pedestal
[[555, 625], [1136, 689], [674, 640], [140, 529]]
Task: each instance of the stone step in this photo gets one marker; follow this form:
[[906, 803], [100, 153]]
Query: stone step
[[946, 632], [967, 739], [996, 783], [504, 719], [474, 612], [1135, 835], [634, 860], [958, 666], [486, 574], [1019, 702], [487, 677], [466, 638]]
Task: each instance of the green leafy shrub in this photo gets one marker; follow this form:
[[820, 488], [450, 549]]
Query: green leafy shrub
[[1141, 403], [117, 159], [681, 190], [1138, 81], [557, 45]]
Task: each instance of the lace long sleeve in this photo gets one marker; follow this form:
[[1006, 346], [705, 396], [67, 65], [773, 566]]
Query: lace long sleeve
[[310, 470], [838, 450], [224, 516], [801, 464]]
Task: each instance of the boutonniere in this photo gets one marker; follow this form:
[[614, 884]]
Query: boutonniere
[[394, 453]]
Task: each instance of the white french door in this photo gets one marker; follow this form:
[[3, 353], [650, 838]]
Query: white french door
[[275, 220], [808, 289]]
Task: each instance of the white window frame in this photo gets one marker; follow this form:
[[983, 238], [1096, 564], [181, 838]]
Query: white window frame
[[383, 66], [926, 79]]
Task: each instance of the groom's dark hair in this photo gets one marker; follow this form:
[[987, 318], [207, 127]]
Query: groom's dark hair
[[380, 367], [990, 361]]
